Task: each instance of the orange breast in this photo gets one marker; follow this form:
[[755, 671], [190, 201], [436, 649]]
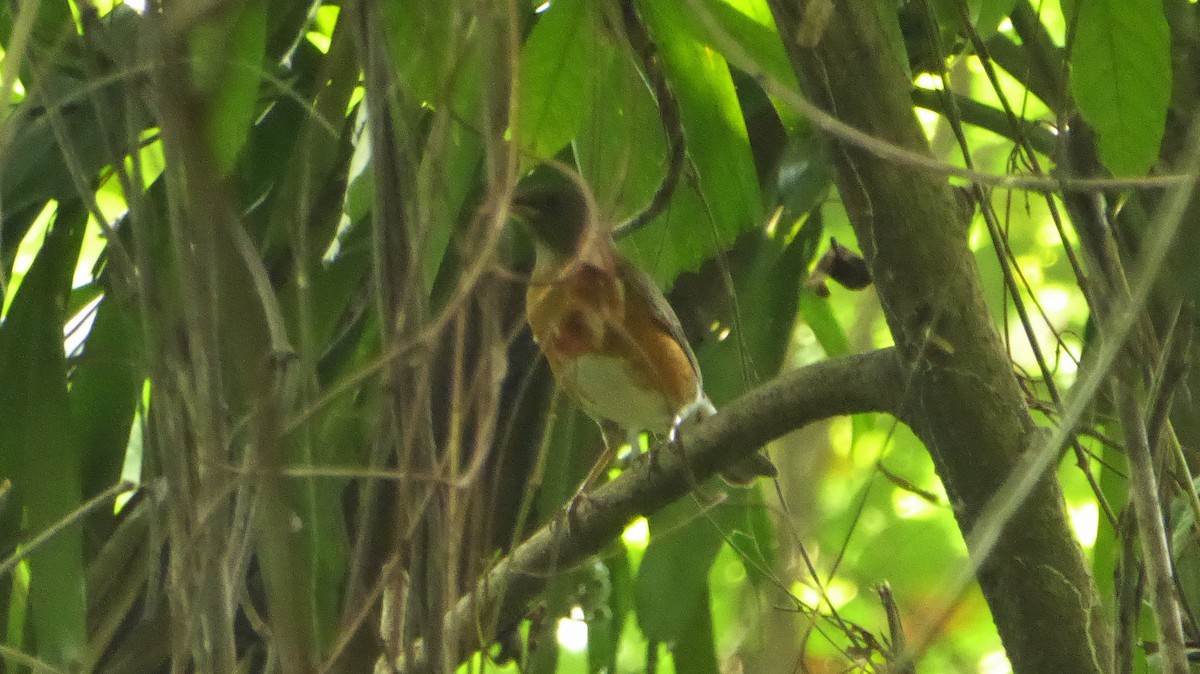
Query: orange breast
[[569, 314], [607, 351]]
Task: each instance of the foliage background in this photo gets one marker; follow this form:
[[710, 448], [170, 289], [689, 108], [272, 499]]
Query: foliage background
[[269, 403]]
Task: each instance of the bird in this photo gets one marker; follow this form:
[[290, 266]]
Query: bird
[[613, 342]]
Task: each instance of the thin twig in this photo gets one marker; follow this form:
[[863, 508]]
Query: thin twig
[[1147, 508], [53, 530]]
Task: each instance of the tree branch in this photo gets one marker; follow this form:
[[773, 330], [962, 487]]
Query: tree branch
[[966, 405], [987, 117], [847, 385]]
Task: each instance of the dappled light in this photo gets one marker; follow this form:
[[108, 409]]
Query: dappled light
[[693, 336]]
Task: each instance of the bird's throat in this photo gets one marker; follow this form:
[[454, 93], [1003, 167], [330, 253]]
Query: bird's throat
[[575, 335]]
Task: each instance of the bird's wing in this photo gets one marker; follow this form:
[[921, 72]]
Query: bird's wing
[[660, 309]]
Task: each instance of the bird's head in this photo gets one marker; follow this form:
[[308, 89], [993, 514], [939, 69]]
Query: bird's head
[[556, 208]]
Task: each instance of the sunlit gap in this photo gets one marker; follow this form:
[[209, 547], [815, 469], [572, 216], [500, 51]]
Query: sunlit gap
[[637, 534], [131, 467], [995, 662], [1085, 522], [27, 250], [838, 592], [572, 631]]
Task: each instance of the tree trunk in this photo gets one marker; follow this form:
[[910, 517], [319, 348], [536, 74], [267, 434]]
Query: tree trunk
[[961, 397]]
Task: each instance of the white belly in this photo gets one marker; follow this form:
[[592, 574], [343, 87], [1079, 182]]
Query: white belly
[[608, 390]]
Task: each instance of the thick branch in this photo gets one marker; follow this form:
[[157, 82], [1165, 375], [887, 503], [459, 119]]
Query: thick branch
[[852, 384], [964, 401]]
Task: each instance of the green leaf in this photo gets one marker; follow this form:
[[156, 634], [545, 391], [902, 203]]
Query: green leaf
[[717, 143], [604, 631], [620, 147], [339, 439], [696, 650], [767, 273], [450, 179], [818, 315], [36, 168], [1106, 552], [227, 65], [672, 581], [104, 393], [758, 39], [53, 25], [803, 179], [37, 446], [987, 15], [621, 152], [1121, 78], [679, 240], [1185, 552], [422, 39], [6, 23], [427, 43], [755, 545], [278, 156], [556, 66]]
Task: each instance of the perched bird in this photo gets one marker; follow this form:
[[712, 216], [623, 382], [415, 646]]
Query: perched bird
[[613, 342]]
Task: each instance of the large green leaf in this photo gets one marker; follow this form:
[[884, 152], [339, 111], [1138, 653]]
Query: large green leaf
[[227, 66], [553, 88], [604, 631], [620, 147], [622, 152], [1121, 77], [40, 452], [725, 24], [818, 315], [274, 146], [696, 650], [1113, 467], [672, 581], [679, 240], [37, 166], [449, 179], [340, 434], [1185, 551], [443, 67], [419, 37], [104, 393], [719, 156], [767, 273], [52, 26], [987, 15]]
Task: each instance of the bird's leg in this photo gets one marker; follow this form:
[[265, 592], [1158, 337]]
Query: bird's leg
[[611, 433]]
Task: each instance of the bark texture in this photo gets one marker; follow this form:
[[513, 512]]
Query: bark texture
[[960, 394]]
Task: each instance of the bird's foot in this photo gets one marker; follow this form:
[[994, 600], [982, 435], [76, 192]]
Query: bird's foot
[[568, 516], [700, 408], [572, 510]]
